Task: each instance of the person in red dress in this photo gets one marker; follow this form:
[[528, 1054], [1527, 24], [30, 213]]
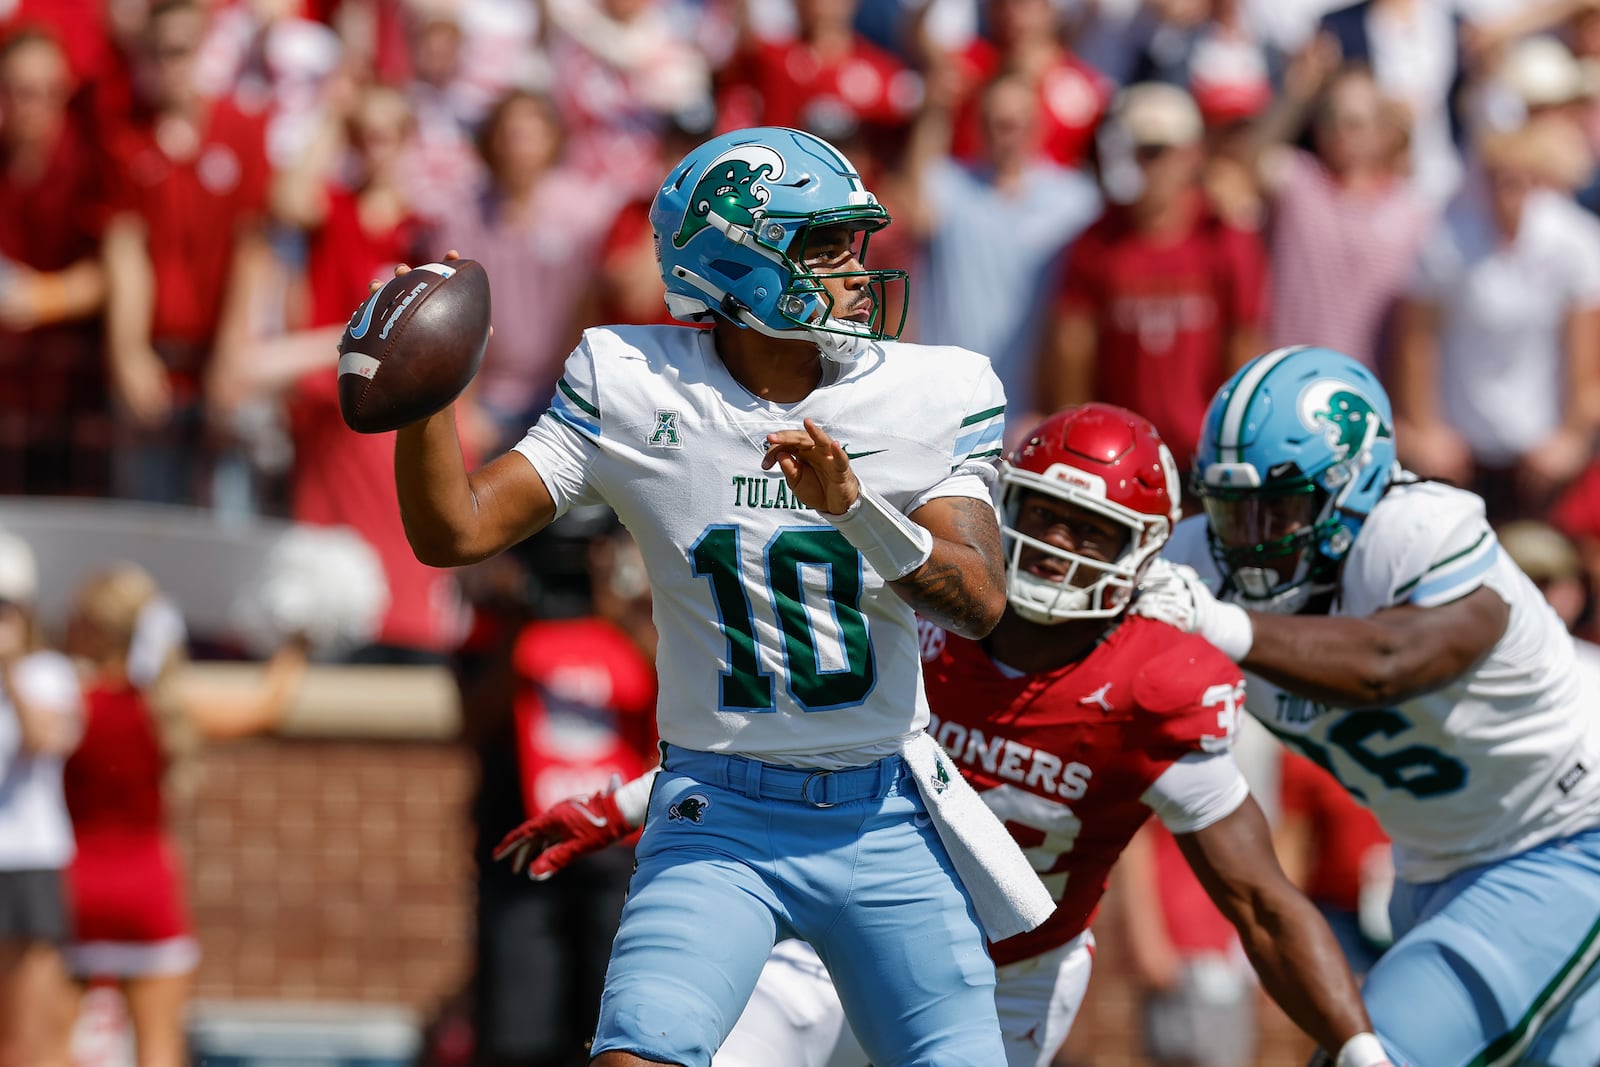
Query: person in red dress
[[1075, 721], [142, 726]]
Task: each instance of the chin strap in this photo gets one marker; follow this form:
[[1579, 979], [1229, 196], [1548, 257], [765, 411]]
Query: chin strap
[[842, 344]]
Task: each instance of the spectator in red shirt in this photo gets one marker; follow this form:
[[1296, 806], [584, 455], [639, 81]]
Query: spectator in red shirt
[[79, 27], [356, 233], [1025, 37], [1163, 299], [51, 282], [772, 83], [184, 250]]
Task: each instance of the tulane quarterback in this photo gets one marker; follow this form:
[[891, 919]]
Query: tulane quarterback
[[801, 485]]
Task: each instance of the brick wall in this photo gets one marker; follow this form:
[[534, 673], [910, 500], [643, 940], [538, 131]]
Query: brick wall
[[330, 870]]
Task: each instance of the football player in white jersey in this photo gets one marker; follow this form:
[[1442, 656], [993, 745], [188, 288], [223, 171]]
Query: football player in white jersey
[[1075, 722], [799, 484], [1387, 637]]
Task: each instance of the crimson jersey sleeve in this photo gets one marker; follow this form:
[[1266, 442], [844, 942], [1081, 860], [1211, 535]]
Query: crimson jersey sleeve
[[1190, 695]]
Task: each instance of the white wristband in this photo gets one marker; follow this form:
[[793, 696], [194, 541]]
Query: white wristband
[[892, 543], [1363, 1050], [1228, 626], [633, 798]]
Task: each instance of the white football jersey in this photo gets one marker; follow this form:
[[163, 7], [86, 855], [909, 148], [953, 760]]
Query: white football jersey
[[778, 641], [1505, 757]]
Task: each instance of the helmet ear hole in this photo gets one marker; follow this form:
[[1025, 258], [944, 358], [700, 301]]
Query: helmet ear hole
[[729, 269]]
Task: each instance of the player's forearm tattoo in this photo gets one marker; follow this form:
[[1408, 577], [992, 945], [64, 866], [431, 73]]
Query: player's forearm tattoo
[[955, 588]]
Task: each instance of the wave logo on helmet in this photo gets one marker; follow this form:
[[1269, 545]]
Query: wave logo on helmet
[[1348, 421], [733, 187]]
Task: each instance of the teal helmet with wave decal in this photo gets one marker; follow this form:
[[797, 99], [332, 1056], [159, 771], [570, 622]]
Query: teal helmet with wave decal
[[730, 223], [1296, 449]]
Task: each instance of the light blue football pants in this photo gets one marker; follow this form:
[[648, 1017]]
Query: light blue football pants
[[737, 854], [1496, 965]]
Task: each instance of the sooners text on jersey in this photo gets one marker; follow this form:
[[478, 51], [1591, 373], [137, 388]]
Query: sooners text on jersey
[[1064, 757]]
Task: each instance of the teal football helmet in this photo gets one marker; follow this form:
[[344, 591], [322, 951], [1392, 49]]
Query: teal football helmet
[[730, 223], [1297, 448]]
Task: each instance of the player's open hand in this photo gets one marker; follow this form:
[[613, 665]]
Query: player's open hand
[[1170, 592], [561, 833], [815, 466]]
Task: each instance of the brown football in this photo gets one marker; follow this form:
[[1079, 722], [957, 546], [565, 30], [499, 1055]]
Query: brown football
[[412, 347]]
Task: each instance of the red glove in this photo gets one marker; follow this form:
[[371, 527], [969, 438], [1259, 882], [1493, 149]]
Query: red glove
[[561, 833]]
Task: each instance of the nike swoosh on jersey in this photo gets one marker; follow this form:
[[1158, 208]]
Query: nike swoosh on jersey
[[597, 820], [861, 455]]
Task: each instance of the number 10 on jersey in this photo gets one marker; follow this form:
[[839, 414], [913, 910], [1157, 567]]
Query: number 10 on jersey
[[786, 560]]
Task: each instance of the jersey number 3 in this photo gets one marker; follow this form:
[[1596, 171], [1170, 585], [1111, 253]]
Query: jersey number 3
[[818, 679]]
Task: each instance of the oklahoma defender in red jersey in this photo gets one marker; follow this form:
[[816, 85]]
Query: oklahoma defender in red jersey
[[1075, 720], [1077, 757]]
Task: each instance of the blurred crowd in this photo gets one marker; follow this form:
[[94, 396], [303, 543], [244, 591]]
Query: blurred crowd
[[1113, 199], [1119, 200]]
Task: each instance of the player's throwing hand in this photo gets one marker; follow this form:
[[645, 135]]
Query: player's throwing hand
[[815, 466]]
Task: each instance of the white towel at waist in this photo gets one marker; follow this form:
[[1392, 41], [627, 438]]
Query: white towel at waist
[[1005, 890]]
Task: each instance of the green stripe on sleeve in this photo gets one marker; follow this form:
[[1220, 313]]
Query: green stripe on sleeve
[[983, 416], [576, 399]]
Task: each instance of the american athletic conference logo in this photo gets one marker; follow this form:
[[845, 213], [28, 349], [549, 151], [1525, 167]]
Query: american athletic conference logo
[[733, 188], [691, 808]]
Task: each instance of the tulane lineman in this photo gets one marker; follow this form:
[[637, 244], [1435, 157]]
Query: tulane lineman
[[784, 582], [1389, 639]]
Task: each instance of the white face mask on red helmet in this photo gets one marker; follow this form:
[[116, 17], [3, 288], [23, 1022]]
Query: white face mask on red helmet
[[1109, 462]]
